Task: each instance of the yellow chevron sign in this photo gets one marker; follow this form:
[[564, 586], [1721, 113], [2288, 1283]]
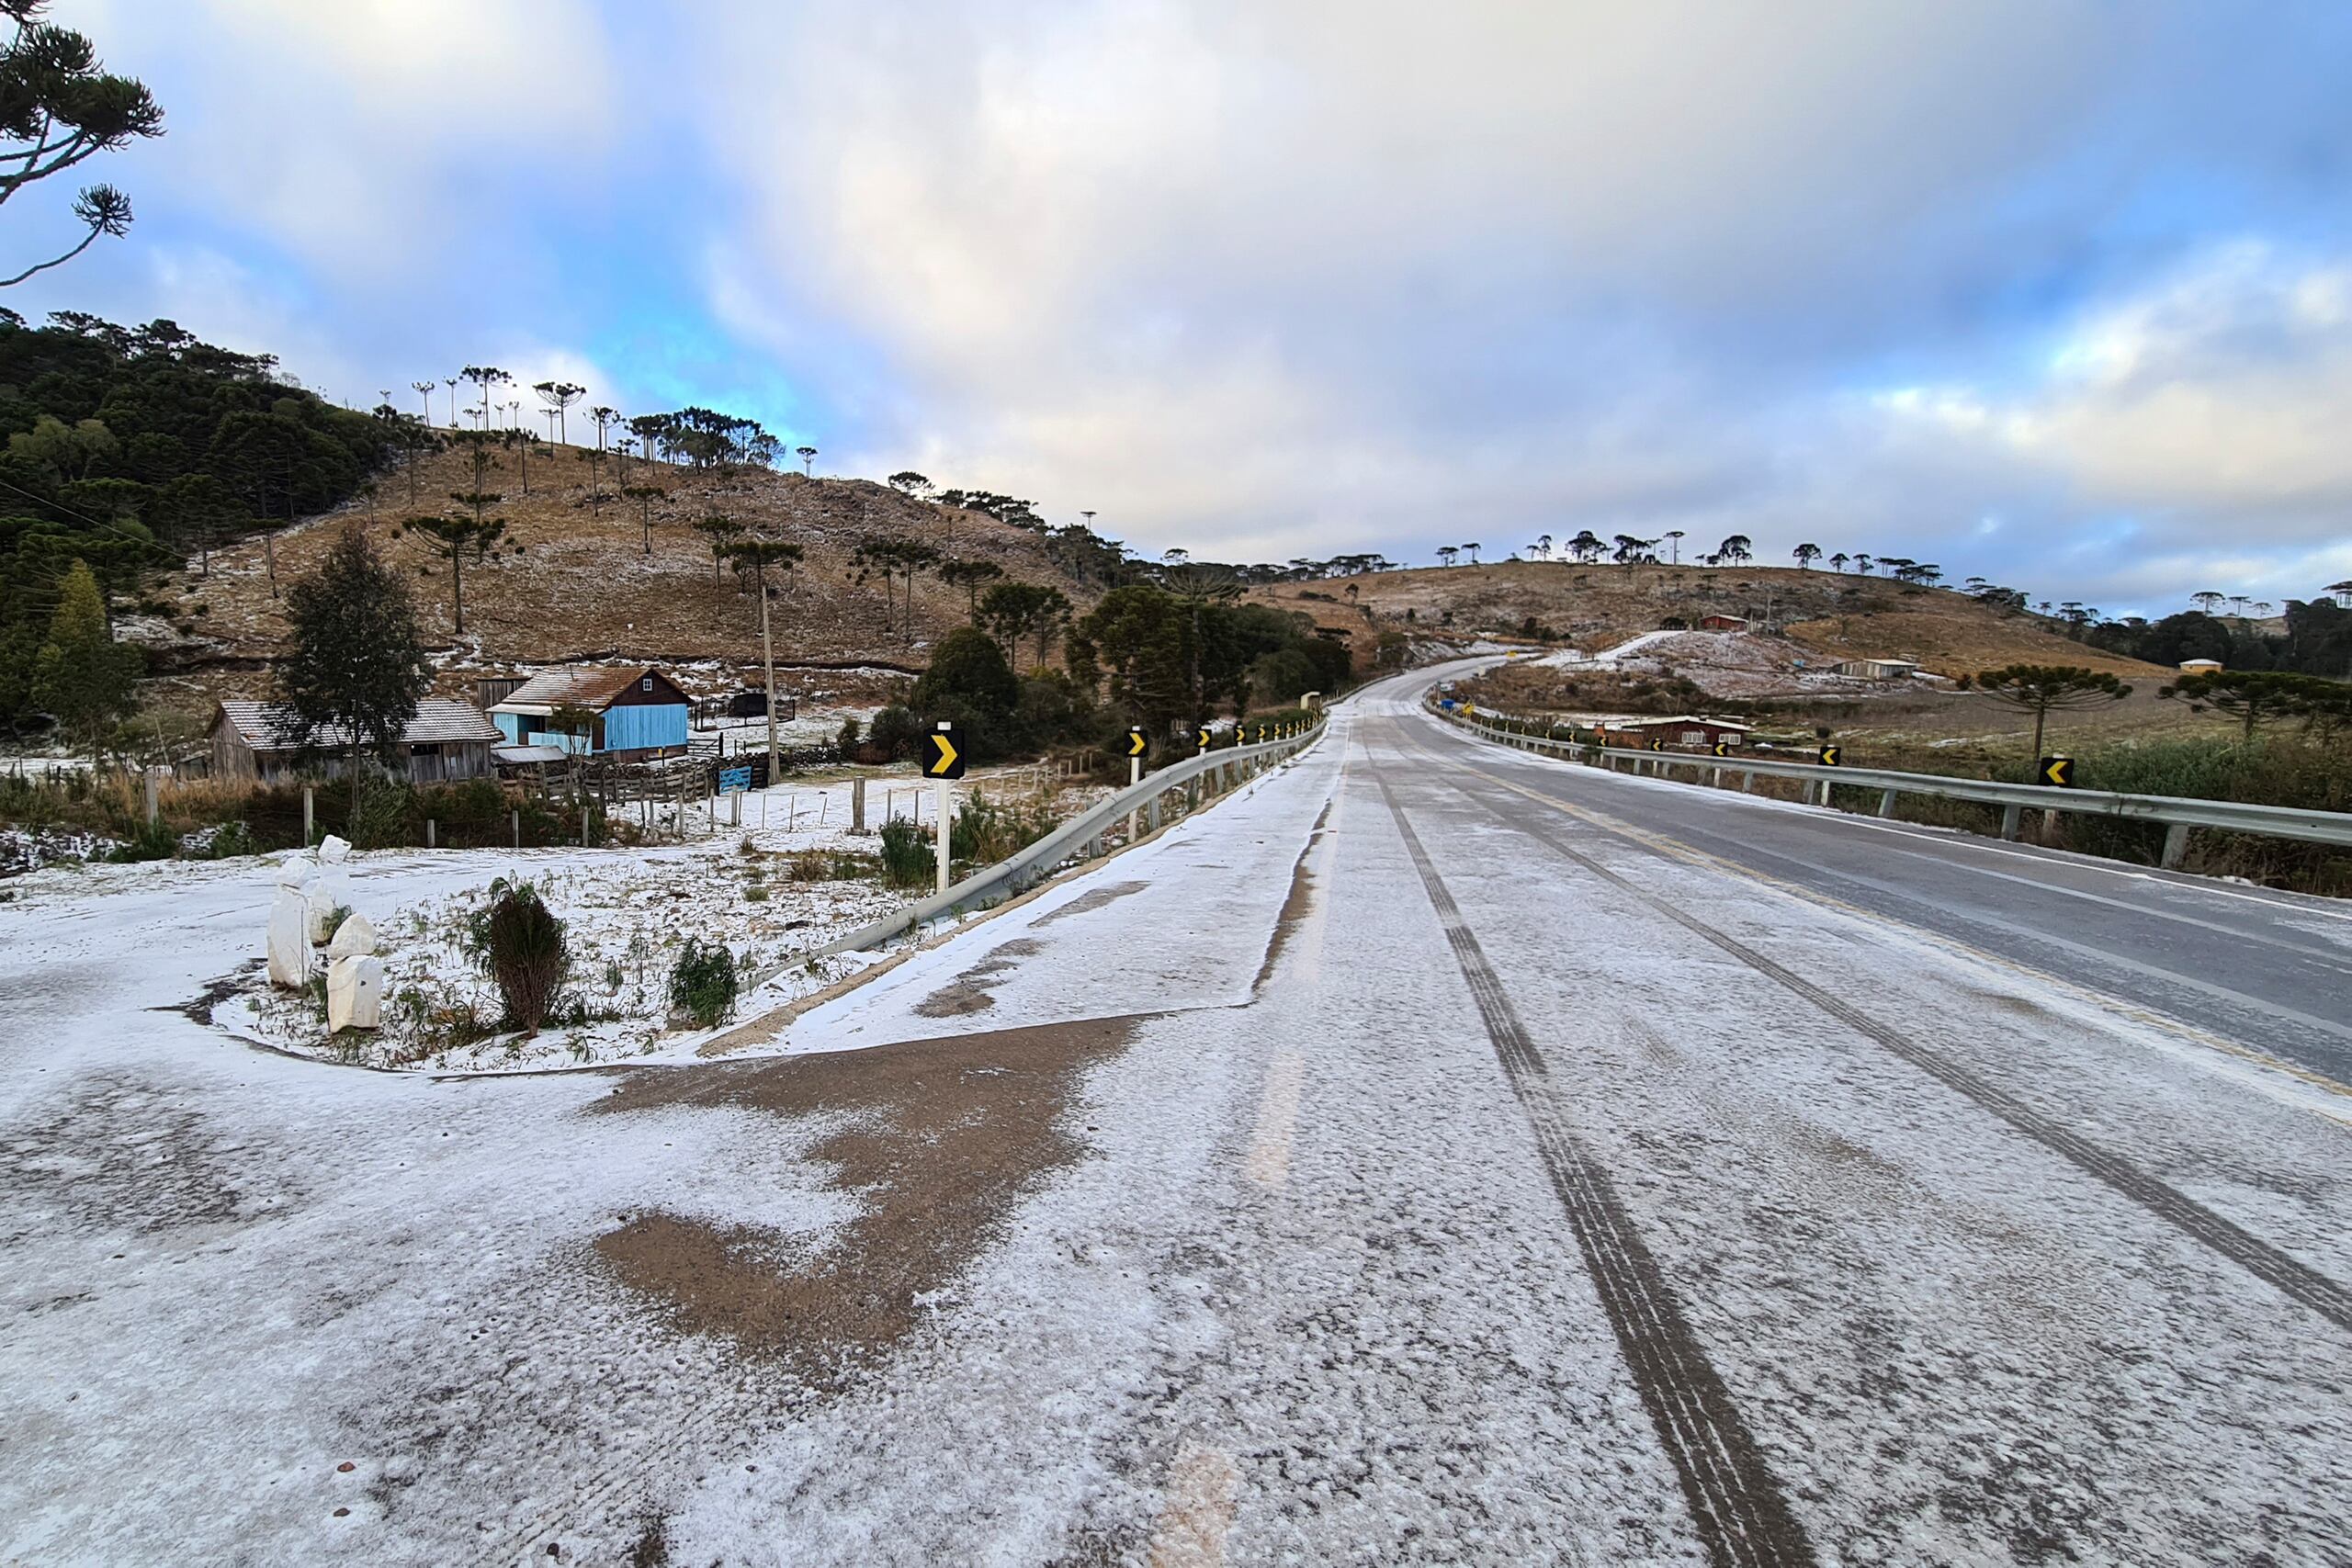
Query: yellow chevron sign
[[2058, 771], [946, 760], [1137, 742], [1205, 738], [1828, 758]]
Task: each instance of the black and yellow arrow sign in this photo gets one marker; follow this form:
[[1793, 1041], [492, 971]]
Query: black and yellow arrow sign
[[1723, 748], [1205, 738], [2058, 771], [1657, 745], [1829, 757], [946, 758], [1138, 743], [1261, 735]]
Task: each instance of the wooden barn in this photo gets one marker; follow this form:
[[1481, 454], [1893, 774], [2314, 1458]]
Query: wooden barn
[[634, 712], [446, 741]]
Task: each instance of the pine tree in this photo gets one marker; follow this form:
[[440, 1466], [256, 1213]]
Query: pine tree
[[355, 659], [81, 676]]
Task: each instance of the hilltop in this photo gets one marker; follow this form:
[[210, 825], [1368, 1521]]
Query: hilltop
[[1824, 616], [581, 582]]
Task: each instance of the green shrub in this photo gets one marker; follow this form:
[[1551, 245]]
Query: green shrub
[[985, 832], [895, 732], [908, 856], [830, 865], [232, 839], [519, 942], [702, 982], [152, 841]]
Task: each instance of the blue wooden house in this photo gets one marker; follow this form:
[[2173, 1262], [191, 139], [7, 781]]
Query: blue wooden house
[[634, 713]]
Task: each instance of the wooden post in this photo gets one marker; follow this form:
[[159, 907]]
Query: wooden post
[[428, 833], [857, 806], [518, 815], [154, 799], [309, 833]]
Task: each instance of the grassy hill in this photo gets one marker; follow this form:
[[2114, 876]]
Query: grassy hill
[[583, 584], [1828, 615]]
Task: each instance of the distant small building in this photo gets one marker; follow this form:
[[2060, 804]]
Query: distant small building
[[1877, 669], [2199, 666], [1722, 623], [635, 712], [446, 741], [1682, 729]]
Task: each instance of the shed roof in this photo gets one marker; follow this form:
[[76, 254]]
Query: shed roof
[[268, 727], [593, 688], [517, 755]]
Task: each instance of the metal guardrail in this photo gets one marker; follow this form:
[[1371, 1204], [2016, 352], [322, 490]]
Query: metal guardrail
[[1084, 833], [2178, 814]]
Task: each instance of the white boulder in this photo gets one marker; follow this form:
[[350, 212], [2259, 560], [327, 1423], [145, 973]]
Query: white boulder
[[334, 851], [289, 939], [356, 938], [354, 989]]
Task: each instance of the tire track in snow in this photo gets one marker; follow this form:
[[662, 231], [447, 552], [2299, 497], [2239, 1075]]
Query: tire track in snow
[[2297, 1281], [1742, 1519]]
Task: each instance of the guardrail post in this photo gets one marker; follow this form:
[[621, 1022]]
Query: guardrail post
[[2176, 846], [2012, 822], [1152, 815], [1886, 803]]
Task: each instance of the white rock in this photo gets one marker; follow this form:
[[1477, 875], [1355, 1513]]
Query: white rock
[[356, 938], [295, 870], [290, 944], [354, 991], [320, 901], [334, 851]]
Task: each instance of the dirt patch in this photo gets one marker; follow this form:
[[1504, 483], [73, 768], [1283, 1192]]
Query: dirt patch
[[968, 992], [1086, 903], [1294, 905], [199, 1007], [941, 1137]]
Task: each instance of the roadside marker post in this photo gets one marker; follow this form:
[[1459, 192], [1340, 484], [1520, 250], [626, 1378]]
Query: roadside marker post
[[1827, 757], [2058, 771], [943, 766], [1138, 747]]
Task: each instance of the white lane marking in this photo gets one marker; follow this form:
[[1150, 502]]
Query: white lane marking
[[1268, 1161], [1198, 1510]]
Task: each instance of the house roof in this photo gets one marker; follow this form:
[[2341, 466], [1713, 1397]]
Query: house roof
[[516, 755], [266, 727], [1644, 721], [593, 688]]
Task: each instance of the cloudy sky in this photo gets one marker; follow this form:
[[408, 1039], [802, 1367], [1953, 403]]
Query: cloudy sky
[[2057, 294]]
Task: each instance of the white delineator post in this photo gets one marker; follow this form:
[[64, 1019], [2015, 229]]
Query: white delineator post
[[1135, 777], [940, 811]]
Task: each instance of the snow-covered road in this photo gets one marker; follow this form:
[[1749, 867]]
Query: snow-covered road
[[1426, 1154]]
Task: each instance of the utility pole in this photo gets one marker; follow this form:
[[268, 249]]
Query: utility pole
[[767, 656]]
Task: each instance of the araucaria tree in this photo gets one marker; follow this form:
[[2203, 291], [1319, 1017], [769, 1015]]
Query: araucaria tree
[[354, 660], [645, 496], [484, 376], [970, 576], [720, 531], [58, 107], [1011, 611], [2043, 689], [458, 540], [1806, 555], [81, 676], [2253, 697], [753, 558], [558, 396]]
